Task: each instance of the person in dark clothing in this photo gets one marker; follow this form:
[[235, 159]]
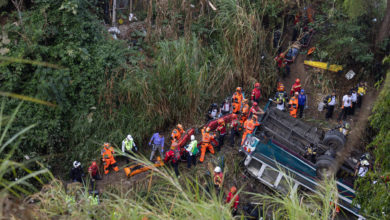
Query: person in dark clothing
[[301, 102], [235, 129], [77, 173], [330, 102]]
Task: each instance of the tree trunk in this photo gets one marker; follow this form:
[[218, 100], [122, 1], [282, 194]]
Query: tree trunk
[[384, 30]]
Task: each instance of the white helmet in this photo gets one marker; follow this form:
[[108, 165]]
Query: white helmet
[[129, 137], [365, 163], [217, 169], [76, 164], [192, 137]]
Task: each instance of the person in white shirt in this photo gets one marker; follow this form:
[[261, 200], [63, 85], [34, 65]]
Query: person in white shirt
[[354, 101], [346, 107]]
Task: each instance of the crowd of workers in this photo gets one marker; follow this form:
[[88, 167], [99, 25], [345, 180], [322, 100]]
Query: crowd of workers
[[245, 119]]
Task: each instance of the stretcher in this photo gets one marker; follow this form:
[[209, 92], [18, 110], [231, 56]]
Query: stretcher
[[140, 168], [214, 123], [325, 66]]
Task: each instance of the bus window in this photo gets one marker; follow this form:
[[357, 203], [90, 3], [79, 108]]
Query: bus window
[[269, 175]]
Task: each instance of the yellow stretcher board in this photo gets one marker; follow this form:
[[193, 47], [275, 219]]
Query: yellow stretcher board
[[325, 66]]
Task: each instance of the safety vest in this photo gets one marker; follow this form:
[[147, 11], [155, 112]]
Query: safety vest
[[206, 137], [250, 125], [128, 144], [245, 110], [294, 106], [237, 97], [107, 153]]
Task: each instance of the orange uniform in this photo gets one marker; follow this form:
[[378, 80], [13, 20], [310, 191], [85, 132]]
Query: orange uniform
[[108, 159], [244, 114], [177, 133], [293, 104], [237, 100], [206, 139], [249, 126]]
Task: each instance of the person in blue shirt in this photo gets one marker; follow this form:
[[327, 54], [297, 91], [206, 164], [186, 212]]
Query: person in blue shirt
[[301, 102], [157, 141]]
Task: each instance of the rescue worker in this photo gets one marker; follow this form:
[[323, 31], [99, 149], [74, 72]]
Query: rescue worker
[[222, 132], [129, 147], [94, 173], [218, 179], [233, 196], [77, 173], [206, 139], [361, 92], [212, 112], [293, 105], [280, 97], [158, 143], [237, 100], [346, 106], [244, 112], [354, 101], [225, 107], [330, 102], [173, 155], [296, 87], [108, 158], [255, 110], [177, 133], [256, 93], [192, 150], [235, 129], [301, 102], [249, 127]]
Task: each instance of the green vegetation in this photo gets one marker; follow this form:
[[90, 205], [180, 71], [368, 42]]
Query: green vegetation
[[373, 190]]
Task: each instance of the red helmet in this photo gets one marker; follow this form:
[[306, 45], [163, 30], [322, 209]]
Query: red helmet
[[257, 84], [280, 87], [238, 89], [254, 103], [233, 189], [94, 163], [297, 80], [220, 121]]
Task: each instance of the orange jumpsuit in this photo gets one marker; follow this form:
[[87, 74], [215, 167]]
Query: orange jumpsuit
[[249, 126], [293, 106], [206, 139], [176, 135], [108, 159], [244, 114], [237, 100]]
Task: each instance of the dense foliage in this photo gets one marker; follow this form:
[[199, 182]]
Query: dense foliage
[[373, 194]]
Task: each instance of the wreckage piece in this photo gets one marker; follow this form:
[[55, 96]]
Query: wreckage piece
[[141, 167], [325, 66]]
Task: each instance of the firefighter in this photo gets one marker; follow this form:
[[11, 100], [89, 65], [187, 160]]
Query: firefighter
[[255, 110], [237, 100], [330, 102], [233, 196], [206, 143], [222, 132], [108, 158], [256, 93], [218, 179], [177, 133], [235, 124], [296, 87], [293, 105], [244, 112], [249, 126]]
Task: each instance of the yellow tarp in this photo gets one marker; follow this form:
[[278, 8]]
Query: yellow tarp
[[325, 66]]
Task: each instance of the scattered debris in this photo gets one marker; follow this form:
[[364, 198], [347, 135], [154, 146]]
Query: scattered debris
[[114, 31], [132, 17], [350, 74]]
